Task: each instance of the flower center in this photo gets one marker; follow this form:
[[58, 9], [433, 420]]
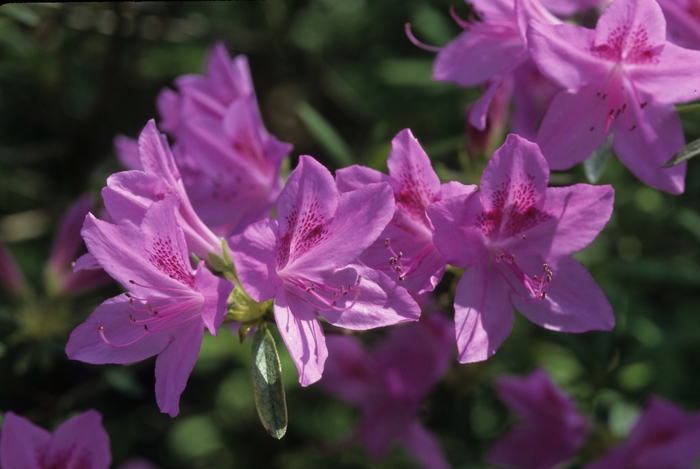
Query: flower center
[[614, 96], [529, 288], [325, 297], [159, 314], [404, 266]]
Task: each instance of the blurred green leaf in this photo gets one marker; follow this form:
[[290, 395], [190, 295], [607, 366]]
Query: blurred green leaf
[[325, 135], [267, 383], [595, 164], [20, 13]]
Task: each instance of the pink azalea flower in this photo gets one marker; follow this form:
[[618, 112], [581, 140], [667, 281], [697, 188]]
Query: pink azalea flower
[[622, 80], [167, 305], [405, 249], [304, 260], [491, 52], [663, 437], [516, 237], [682, 22], [10, 275], [80, 442], [65, 250], [551, 430], [389, 384], [570, 7], [230, 163], [130, 193]]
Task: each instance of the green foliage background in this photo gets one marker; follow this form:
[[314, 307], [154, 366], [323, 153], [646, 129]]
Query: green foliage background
[[338, 80]]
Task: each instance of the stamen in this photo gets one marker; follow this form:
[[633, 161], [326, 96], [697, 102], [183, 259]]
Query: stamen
[[416, 42]]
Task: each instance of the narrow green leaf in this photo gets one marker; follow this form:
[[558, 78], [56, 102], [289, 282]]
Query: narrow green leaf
[[688, 108], [267, 383], [690, 151], [325, 134]]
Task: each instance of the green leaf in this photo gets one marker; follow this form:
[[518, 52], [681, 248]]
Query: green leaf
[[690, 151], [267, 383], [595, 164], [325, 135]]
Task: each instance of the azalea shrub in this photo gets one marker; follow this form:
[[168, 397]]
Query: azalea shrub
[[369, 252]]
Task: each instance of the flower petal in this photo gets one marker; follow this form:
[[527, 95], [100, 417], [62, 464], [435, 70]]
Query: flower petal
[[356, 176], [349, 374], [483, 313], [454, 235], [578, 214], [175, 363], [80, 442], [568, 138], [303, 336], [360, 218], [253, 253], [562, 53], [381, 302], [574, 303], [22, 444], [425, 447], [671, 77], [131, 343], [216, 291], [658, 135]]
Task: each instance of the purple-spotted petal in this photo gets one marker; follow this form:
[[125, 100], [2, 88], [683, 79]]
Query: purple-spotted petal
[[574, 302], [578, 214], [515, 179], [22, 444], [630, 25], [80, 442], [671, 77], [303, 336], [306, 204], [483, 313], [360, 218], [175, 363], [410, 166]]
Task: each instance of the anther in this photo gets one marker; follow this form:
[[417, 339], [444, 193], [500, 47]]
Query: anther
[[132, 282], [644, 104], [386, 242]]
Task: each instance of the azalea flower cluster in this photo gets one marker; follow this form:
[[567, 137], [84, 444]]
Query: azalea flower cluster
[[356, 251], [205, 231], [575, 89]]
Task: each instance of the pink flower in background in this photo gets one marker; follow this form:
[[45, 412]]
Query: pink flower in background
[[79, 443], [405, 249], [621, 81], [682, 22], [551, 430], [389, 384], [569, 7], [305, 258], [167, 306], [515, 237], [663, 437], [229, 162], [225, 81], [491, 52], [129, 194], [10, 275]]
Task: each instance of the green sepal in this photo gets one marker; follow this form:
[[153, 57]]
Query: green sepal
[[266, 372]]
